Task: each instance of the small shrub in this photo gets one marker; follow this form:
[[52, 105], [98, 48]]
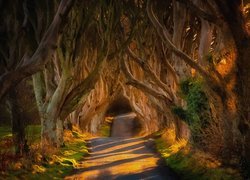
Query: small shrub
[[197, 112], [193, 164], [105, 128]]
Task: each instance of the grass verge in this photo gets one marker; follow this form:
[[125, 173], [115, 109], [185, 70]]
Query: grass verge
[[5, 131], [193, 164], [105, 128], [50, 163]]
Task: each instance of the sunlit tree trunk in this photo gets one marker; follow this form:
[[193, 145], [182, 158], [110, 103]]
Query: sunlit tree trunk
[[51, 124], [49, 104], [233, 15], [182, 70]]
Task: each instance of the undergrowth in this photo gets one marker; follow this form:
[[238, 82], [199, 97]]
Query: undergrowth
[[196, 113], [48, 163], [5, 131], [105, 128], [33, 133], [193, 164]]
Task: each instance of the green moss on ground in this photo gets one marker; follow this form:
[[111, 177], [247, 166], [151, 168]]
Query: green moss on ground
[[62, 164], [5, 131], [33, 133], [192, 165]]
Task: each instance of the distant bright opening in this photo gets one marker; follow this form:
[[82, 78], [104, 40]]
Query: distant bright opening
[[124, 123]]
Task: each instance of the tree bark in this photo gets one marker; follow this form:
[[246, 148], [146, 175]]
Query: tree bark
[[52, 130], [206, 36], [42, 54], [233, 16], [18, 126]]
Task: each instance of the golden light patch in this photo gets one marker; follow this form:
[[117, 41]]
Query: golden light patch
[[205, 160], [174, 148], [169, 135], [109, 119], [227, 63], [38, 169], [17, 166], [118, 158]]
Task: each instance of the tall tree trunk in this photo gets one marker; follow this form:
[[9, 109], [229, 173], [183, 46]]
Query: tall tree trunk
[[53, 132], [18, 127], [205, 41], [232, 12], [179, 19], [181, 68], [51, 124], [243, 89], [45, 49]]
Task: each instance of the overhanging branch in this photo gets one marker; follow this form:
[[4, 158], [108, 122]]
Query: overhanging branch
[[146, 67], [163, 33], [46, 48], [201, 13], [142, 86]]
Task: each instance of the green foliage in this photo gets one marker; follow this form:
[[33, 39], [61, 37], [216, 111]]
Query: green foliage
[[69, 155], [192, 91], [185, 86], [105, 129], [53, 165], [33, 133], [5, 131], [197, 112], [186, 165], [161, 146]]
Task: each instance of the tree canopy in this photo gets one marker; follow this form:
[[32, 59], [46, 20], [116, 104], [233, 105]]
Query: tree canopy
[[181, 65]]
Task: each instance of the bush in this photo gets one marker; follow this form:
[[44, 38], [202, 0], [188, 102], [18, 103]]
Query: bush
[[197, 112], [193, 164]]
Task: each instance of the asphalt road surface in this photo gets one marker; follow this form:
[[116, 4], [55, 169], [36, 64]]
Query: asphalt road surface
[[122, 158]]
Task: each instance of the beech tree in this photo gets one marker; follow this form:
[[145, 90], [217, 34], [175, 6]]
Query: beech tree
[[154, 54], [28, 62], [77, 64], [27, 28]]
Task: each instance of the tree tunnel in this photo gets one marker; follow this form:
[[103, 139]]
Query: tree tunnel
[[154, 66], [119, 106], [124, 123]]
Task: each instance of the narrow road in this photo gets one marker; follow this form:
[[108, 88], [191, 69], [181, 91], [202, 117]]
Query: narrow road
[[122, 157], [123, 125]]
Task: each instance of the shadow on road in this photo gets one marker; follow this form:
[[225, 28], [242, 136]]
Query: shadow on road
[[121, 156]]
